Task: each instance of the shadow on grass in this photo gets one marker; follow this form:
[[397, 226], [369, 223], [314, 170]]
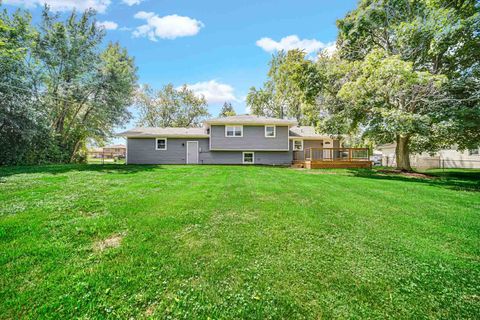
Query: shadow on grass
[[464, 180], [64, 168]]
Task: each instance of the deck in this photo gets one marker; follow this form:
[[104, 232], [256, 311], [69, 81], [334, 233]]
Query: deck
[[320, 158]]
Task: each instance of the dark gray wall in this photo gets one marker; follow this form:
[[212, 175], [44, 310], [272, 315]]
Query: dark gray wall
[[143, 151], [253, 139]]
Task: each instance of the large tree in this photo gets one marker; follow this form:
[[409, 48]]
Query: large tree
[[60, 85], [87, 90], [389, 101], [170, 107], [438, 36], [290, 90]]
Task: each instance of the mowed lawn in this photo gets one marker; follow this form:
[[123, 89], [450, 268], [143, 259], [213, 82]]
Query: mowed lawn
[[118, 241]]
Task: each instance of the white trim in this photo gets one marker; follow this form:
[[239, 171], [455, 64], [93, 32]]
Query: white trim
[[234, 136], [293, 144], [126, 151], [186, 156], [274, 130], [156, 144], [243, 157]]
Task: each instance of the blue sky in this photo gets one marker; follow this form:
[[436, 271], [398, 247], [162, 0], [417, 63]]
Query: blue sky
[[219, 48]]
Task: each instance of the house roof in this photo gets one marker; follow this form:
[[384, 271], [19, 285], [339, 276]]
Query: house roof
[[306, 132], [150, 132], [247, 119]]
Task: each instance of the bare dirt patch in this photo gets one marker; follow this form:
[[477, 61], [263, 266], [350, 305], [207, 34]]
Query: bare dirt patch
[[113, 241], [407, 174]]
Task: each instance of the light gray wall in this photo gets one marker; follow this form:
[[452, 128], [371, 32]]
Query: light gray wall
[[143, 151], [253, 139]]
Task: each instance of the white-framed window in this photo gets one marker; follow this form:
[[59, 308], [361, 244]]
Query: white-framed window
[[270, 131], [297, 145], [248, 157], [161, 143], [474, 152], [233, 131]]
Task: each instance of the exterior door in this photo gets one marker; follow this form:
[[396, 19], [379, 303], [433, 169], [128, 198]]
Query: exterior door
[[192, 152]]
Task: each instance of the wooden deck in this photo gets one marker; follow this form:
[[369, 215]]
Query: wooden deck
[[322, 158]]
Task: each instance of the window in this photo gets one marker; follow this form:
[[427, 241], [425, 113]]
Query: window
[[270, 131], [161, 144], [298, 145], [234, 131], [473, 152], [248, 157]]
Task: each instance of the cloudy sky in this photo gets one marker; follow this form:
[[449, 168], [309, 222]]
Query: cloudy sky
[[219, 48]]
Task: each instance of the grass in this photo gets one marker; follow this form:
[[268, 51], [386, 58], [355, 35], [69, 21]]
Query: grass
[[93, 241]]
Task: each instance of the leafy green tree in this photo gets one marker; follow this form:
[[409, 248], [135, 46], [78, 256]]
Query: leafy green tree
[[227, 110], [170, 107], [439, 36], [86, 90], [389, 100], [290, 90]]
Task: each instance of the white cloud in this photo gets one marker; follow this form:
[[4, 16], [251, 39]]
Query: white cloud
[[290, 43], [108, 25], [167, 27], [132, 2], [214, 91], [63, 5]]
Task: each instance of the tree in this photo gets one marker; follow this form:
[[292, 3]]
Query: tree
[[227, 110], [290, 90], [87, 91], [390, 101], [441, 37], [170, 107], [59, 87]]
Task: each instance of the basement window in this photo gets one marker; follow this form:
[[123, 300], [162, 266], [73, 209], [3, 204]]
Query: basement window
[[161, 144], [248, 158]]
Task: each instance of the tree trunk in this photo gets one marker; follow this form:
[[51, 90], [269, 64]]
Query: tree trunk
[[402, 153]]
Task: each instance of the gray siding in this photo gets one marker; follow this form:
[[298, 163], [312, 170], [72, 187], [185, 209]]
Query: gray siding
[[253, 139], [143, 151]]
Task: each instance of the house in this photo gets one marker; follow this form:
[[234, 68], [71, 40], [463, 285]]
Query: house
[[242, 139], [446, 158]]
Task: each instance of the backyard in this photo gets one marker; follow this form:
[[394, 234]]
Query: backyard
[[116, 241]]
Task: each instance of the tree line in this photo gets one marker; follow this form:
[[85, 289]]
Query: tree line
[[404, 71], [59, 86]]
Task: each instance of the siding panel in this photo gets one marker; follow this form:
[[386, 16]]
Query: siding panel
[[253, 139]]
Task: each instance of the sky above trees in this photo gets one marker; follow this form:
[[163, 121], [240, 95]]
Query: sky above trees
[[218, 48]]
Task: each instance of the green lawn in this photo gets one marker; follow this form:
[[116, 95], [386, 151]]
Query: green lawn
[[119, 241]]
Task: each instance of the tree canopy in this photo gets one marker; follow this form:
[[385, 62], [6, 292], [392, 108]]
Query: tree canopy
[[60, 86], [170, 107], [227, 110]]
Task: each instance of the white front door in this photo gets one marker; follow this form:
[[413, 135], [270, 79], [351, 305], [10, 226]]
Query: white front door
[[192, 152]]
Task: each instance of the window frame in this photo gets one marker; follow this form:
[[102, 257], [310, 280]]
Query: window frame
[[234, 130], [274, 130], [156, 144], [293, 144], [474, 152], [243, 157]]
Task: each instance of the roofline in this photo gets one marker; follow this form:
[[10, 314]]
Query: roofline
[[286, 123], [162, 136]]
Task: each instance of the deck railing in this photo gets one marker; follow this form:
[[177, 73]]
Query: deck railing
[[332, 154]]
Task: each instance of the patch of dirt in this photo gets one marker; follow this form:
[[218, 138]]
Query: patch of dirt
[[407, 174], [111, 242]]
